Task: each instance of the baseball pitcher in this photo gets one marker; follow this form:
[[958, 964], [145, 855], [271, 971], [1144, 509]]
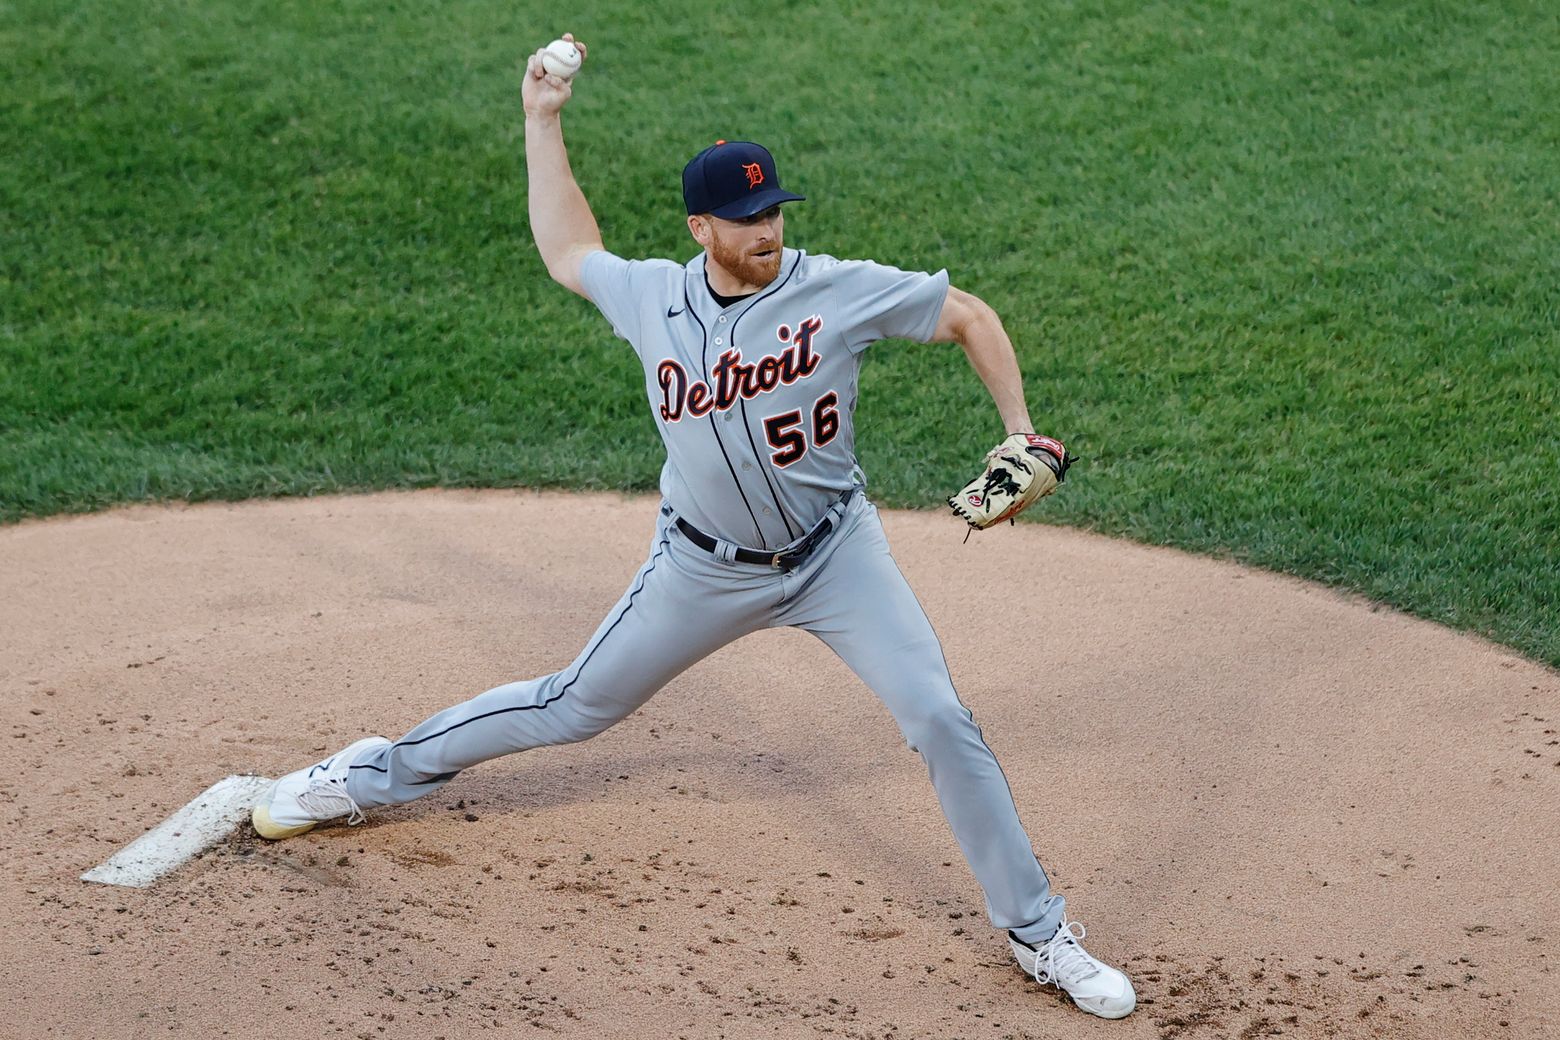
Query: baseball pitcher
[[750, 353]]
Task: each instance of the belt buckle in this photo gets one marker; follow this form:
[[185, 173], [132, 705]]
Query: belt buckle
[[774, 563]]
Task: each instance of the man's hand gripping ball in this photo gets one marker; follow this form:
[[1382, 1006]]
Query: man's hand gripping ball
[[544, 91], [1020, 470]]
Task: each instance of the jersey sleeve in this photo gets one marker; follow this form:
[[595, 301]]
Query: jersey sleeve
[[886, 303], [622, 289]]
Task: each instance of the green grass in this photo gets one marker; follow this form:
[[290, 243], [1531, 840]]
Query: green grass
[[1287, 275]]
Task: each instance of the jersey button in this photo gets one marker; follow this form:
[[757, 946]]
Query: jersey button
[[723, 319], [766, 511], [717, 341], [747, 465]]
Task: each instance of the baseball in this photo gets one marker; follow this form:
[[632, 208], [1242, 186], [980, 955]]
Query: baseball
[[562, 59]]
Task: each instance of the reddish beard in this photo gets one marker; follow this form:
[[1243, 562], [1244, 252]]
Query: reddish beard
[[752, 270]]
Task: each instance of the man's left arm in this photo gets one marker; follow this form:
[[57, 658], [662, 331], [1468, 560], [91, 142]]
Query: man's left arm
[[1024, 467], [971, 323]]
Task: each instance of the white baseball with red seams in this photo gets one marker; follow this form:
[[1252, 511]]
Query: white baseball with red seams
[[562, 59]]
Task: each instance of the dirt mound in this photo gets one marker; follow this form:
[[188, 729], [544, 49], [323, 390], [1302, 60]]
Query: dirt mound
[[1283, 811]]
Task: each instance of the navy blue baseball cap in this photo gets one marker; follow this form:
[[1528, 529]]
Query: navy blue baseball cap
[[733, 179]]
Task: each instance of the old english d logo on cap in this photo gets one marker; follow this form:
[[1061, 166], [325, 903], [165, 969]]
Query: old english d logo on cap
[[733, 180]]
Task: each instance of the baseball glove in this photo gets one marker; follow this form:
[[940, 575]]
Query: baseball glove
[[1022, 469]]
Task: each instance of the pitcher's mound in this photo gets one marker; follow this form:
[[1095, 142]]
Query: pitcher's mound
[[1284, 812]]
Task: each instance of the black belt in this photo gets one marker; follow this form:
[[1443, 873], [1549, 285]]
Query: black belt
[[785, 560]]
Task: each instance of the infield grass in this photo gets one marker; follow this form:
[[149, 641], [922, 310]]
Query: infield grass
[[1286, 275]]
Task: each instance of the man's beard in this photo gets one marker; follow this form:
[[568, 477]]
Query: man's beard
[[753, 270]]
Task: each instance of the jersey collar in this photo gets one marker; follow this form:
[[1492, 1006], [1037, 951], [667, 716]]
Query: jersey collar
[[704, 304]]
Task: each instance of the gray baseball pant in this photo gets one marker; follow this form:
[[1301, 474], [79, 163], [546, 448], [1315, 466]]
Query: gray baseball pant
[[849, 593]]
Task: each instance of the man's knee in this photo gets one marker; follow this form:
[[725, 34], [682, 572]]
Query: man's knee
[[937, 723], [580, 727], [578, 718]]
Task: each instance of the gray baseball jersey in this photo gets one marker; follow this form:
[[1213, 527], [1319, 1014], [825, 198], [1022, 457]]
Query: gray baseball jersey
[[755, 402]]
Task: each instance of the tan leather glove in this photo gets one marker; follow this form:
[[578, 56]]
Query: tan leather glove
[[1021, 470]]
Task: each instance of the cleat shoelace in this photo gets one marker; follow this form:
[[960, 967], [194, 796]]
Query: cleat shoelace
[[1063, 959], [327, 799]]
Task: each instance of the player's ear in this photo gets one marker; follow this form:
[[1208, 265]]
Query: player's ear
[[699, 227]]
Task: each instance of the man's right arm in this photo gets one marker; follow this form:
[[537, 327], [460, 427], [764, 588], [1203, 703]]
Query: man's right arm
[[562, 224]]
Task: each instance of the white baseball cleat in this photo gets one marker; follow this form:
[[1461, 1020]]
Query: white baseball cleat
[[299, 800], [1062, 962]]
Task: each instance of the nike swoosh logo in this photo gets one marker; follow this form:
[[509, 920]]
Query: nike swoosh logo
[[672, 314]]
